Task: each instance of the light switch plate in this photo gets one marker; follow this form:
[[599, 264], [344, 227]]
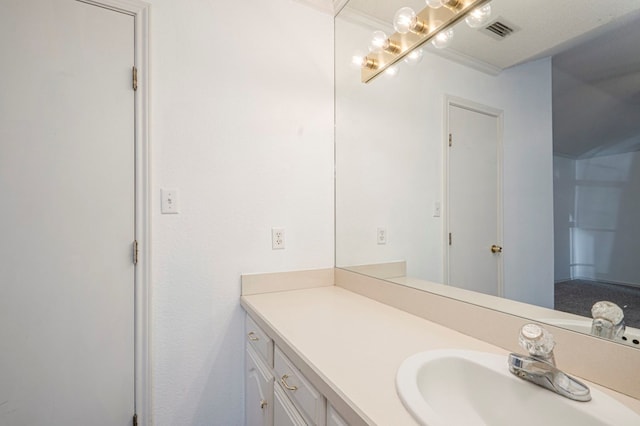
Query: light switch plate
[[437, 209], [169, 203]]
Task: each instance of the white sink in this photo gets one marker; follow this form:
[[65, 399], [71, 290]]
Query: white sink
[[455, 387], [631, 335]]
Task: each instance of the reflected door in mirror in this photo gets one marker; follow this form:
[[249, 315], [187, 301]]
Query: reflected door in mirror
[[474, 262]]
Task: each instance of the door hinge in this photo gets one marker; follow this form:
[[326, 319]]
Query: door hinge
[[135, 252], [134, 75], [449, 238], [135, 420], [450, 139]]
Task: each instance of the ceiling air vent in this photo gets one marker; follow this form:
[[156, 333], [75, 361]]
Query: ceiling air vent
[[500, 28]]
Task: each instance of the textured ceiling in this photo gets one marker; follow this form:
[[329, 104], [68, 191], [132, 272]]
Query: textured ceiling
[[596, 49]]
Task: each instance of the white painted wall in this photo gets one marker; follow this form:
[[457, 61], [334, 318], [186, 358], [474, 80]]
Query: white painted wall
[[242, 125], [606, 208], [389, 149]]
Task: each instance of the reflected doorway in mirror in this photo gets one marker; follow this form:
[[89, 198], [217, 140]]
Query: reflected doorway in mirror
[[473, 195]]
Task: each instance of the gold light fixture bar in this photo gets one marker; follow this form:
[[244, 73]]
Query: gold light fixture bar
[[436, 20]]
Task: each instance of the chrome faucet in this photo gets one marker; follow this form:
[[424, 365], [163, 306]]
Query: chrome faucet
[[608, 320], [539, 366]]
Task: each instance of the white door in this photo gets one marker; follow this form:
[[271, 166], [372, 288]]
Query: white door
[[473, 201], [67, 214]]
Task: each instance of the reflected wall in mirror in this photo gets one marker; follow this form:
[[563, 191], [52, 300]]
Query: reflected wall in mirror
[[564, 158]]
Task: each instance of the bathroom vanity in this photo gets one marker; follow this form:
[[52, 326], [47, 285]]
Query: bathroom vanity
[[319, 353]]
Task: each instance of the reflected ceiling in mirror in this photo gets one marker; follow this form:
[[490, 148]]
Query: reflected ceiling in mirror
[[394, 170]]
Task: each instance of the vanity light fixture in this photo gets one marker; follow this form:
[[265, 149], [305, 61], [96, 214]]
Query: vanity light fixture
[[381, 43], [434, 4], [406, 20], [433, 23], [364, 62]]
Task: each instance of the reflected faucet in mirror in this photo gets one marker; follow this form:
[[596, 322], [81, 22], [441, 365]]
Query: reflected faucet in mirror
[[608, 320]]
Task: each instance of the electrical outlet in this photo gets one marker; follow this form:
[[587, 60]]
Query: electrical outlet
[[382, 236], [277, 238]]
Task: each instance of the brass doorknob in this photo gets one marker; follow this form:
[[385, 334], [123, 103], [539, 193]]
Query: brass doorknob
[[496, 249]]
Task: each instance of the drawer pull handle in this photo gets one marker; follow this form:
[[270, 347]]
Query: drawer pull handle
[[286, 385], [253, 337], [263, 403]]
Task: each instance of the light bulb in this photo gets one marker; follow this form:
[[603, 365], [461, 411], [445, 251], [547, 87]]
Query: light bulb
[[392, 71], [358, 60], [378, 42], [414, 57], [443, 38], [404, 20], [479, 16], [434, 4]]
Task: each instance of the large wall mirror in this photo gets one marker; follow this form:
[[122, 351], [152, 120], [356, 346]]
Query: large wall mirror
[[502, 170]]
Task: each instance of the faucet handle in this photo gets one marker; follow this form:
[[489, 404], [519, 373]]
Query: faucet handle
[[608, 320], [538, 342]]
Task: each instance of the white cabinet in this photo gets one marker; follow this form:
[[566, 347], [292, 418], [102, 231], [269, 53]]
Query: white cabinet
[[258, 391], [303, 394], [276, 391], [284, 413], [260, 341], [333, 418], [259, 378]]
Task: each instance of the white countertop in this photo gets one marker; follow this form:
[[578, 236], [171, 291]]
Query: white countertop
[[356, 345]]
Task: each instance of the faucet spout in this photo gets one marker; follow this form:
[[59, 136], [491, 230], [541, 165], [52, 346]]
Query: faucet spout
[[544, 374], [540, 367]]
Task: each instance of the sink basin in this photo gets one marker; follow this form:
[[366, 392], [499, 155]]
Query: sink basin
[[631, 335], [455, 387]]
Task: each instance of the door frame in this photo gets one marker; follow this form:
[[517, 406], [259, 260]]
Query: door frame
[[455, 101], [140, 11]]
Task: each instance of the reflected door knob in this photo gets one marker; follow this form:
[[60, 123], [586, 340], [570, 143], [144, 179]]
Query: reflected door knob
[[496, 249]]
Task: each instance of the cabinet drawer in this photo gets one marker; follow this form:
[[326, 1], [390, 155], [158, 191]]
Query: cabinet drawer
[[259, 341], [284, 413], [304, 396]]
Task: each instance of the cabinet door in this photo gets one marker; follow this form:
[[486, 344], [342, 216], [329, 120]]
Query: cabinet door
[[333, 418], [258, 392], [284, 413]]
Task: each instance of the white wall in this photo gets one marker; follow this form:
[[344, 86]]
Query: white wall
[[389, 149], [242, 125], [606, 208]]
